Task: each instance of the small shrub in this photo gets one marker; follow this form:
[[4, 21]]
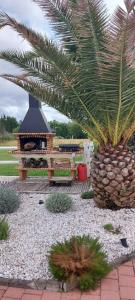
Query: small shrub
[[110, 228], [58, 203], [4, 229], [79, 260], [87, 195], [9, 200]]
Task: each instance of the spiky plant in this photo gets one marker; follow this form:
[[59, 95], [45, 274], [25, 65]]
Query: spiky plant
[[79, 260], [88, 75]]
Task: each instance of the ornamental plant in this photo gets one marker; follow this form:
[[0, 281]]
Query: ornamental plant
[[59, 203], [80, 260], [9, 200], [4, 229], [88, 74], [87, 195]]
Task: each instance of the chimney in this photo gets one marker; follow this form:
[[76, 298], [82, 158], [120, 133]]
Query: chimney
[[35, 120]]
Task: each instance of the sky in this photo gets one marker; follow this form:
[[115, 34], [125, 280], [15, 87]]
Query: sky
[[14, 100]]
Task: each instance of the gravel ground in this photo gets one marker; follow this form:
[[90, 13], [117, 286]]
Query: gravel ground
[[33, 230]]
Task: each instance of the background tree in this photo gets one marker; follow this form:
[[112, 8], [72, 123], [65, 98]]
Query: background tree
[[90, 77], [76, 132], [68, 130], [9, 123]]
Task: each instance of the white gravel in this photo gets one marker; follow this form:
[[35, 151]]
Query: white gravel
[[33, 230]]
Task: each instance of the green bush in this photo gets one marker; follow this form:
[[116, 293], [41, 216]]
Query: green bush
[[58, 203], [4, 229], [79, 260], [87, 195], [9, 200]]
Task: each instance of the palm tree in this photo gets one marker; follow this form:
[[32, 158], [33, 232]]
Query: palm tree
[[88, 75]]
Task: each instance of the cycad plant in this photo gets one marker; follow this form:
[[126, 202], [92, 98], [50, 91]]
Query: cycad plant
[[88, 75]]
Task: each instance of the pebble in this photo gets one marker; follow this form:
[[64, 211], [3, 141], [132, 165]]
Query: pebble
[[33, 230]]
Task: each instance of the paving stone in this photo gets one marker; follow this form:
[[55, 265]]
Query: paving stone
[[127, 281], [128, 263], [3, 287], [31, 297], [127, 292], [51, 296], [8, 298], [90, 297], [109, 284], [113, 274], [14, 293], [71, 296], [109, 295], [2, 293], [33, 292], [125, 270], [97, 292]]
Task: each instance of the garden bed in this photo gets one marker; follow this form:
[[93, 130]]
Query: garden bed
[[33, 230]]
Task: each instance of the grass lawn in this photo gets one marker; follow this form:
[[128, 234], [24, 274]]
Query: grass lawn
[[5, 155], [57, 141], [11, 170], [8, 143]]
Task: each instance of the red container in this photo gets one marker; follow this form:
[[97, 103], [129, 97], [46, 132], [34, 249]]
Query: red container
[[82, 172]]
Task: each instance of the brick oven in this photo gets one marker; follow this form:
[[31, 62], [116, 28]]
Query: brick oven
[[35, 147], [35, 134]]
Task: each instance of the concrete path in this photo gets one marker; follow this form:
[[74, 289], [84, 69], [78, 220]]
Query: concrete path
[[8, 147], [8, 162], [118, 285]]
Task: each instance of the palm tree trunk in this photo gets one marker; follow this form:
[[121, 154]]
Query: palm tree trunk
[[113, 177]]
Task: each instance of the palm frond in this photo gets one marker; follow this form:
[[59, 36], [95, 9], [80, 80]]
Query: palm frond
[[96, 86]]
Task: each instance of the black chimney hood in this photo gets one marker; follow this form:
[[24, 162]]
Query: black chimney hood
[[34, 121]]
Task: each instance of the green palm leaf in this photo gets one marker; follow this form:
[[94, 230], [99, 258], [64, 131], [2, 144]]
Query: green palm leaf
[[89, 75]]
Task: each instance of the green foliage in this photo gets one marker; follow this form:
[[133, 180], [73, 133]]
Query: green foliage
[[87, 195], [4, 229], [68, 130], [86, 282], [58, 203], [110, 228], [9, 200], [8, 123], [89, 74], [80, 260]]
